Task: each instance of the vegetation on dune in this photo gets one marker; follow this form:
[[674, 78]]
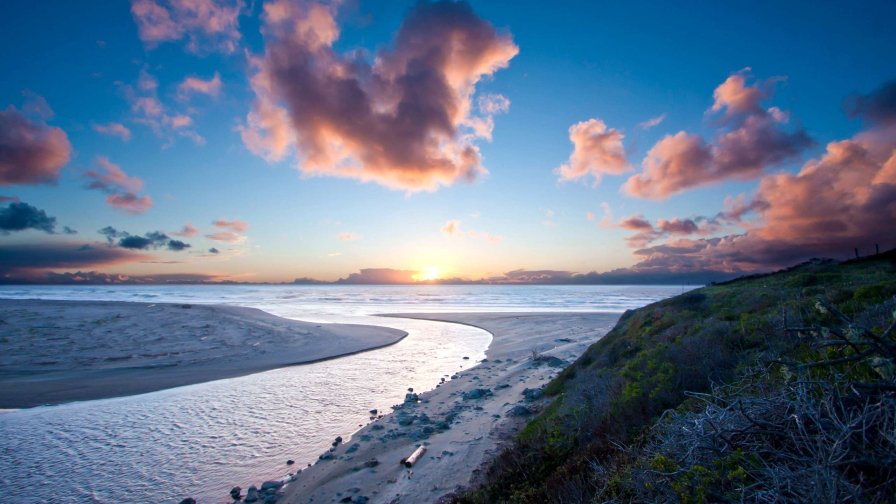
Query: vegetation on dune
[[770, 388]]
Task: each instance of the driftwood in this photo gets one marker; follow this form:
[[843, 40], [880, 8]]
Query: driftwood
[[410, 461]]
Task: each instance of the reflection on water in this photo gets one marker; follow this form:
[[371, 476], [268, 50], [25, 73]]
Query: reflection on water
[[203, 439]]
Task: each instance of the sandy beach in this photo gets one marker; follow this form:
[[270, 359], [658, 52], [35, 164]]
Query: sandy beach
[[461, 423], [61, 351]]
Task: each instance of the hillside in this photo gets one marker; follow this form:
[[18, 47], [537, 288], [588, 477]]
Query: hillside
[[776, 387]]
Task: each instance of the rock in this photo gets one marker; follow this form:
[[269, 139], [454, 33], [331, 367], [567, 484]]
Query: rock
[[502, 386], [360, 499], [372, 463], [326, 456], [374, 411], [377, 426], [532, 394], [410, 389], [337, 440], [271, 484], [235, 493], [411, 398], [290, 462], [251, 494], [519, 410], [353, 448], [270, 499], [477, 393], [466, 358], [188, 500]]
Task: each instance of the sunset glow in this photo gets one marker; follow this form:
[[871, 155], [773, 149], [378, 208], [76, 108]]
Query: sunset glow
[[151, 142]]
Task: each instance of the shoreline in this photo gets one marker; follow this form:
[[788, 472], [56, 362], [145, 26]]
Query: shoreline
[[63, 351], [462, 422]]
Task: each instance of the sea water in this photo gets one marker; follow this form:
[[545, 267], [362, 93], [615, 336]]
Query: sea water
[[200, 440]]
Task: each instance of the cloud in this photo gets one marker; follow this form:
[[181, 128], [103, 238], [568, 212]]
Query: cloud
[[31, 152], [213, 250], [114, 129], [677, 226], [348, 237], [549, 216], [842, 200], [151, 240], [188, 231], [636, 223], [404, 121], [194, 85], [606, 220], [652, 122], [149, 111], [26, 259], [451, 228], [226, 236], [750, 140], [597, 151], [207, 25], [380, 276], [877, 107], [235, 225], [121, 189], [21, 216]]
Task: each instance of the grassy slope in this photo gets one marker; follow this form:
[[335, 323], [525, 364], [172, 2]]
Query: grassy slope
[[601, 438]]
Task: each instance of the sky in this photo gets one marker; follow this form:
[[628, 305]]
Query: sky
[[400, 141]]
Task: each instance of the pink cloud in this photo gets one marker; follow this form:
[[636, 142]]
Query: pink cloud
[[750, 140], [207, 25], [188, 231], [234, 225], [842, 200], [31, 152], [129, 202], [194, 85], [150, 111], [677, 226], [405, 121], [121, 189], [636, 223], [597, 150], [226, 236], [348, 237], [114, 129]]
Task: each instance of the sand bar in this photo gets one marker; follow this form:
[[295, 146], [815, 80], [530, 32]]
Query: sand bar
[[59, 351], [481, 407]]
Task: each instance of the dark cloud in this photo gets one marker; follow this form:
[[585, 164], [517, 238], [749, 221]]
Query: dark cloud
[[876, 107], [380, 276], [213, 250], [22, 216], [26, 258], [31, 152], [406, 121], [98, 278], [151, 240], [177, 245]]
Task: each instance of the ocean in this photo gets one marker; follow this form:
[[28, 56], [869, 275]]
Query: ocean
[[203, 439]]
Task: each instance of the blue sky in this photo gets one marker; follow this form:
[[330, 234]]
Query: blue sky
[[797, 74]]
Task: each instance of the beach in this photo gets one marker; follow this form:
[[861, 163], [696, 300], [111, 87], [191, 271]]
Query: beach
[[461, 423], [61, 351]]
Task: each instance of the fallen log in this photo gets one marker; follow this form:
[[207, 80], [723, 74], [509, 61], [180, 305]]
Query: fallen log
[[410, 461]]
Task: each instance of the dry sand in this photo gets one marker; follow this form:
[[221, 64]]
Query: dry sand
[[460, 431], [60, 351]]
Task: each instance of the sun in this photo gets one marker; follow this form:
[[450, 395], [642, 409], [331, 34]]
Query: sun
[[428, 274]]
